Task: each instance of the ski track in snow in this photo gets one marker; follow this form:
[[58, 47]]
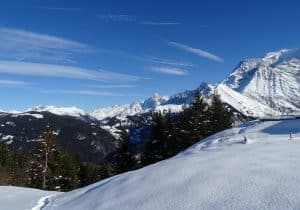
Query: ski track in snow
[[42, 202]]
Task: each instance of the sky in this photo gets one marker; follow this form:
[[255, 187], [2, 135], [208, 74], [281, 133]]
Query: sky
[[93, 54]]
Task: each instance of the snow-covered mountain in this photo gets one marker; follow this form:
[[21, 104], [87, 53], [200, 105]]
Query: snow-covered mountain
[[62, 111], [154, 103], [273, 80], [257, 87], [75, 131], [222, 171]]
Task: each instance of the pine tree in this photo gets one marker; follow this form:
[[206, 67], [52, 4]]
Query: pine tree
[[183, 131], [156, 146], [199, 118], [104, 170], [4, 156], [171, 146], [90, 173], [65, 173], [124, 160], [192, 124], [12, 166], [220, 118], [16, 168]]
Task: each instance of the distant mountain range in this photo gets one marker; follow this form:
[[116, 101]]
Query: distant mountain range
[[80, 135], [258, 87]]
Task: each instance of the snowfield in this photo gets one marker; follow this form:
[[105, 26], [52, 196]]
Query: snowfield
[[18, 198], [220, 172]]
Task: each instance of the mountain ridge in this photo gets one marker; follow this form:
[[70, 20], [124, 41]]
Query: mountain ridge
[[258, 87]]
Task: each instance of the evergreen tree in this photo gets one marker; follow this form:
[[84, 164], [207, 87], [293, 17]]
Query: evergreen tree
[[199, 118], [171, 146], [156, 146], [104, 170], [183, 130], [16, 168], [192, 123], [87, 174], [90, 173], [12, 166], [220, 118], [52, 169], [4, 159], [124, 160], [65, 173]]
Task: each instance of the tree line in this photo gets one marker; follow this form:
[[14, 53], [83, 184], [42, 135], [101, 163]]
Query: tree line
[[48, 167], [172, 133], [51, 168]]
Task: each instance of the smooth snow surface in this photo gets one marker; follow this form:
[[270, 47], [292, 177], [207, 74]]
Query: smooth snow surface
[[243, 104], [18, 198], [220, 172]]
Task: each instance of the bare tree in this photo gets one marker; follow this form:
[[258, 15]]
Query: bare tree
[[48, 143]]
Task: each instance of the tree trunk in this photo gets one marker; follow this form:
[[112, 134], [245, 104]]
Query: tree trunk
[[46, 167]]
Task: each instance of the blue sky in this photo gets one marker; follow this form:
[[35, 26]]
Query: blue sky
[[94, 54]]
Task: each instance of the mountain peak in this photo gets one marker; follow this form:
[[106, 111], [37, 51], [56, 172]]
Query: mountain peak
[[154, 101], [272, 80], [282, 55]]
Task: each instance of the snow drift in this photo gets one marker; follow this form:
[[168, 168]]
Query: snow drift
[[221, 172]]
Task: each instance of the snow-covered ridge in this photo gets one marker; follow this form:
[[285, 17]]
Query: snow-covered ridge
[[154, 103], [69, 111], [243, 104], [273, 80], [251, 166], [37, 112], [257, 87]]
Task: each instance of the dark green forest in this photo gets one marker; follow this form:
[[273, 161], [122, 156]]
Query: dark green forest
[[51, 168]]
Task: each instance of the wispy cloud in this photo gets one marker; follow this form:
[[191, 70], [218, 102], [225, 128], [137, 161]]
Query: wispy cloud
[[84, 92], [159, 23], [14, 83], [169, 62], [132, 18], [72, 9], [147, 58], [169, 70], [49, 70], [26, 45], [112, 86], [117, 17], [196, 51]]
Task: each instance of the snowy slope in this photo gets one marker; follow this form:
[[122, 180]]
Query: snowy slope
[[221, 172], [244, 104], [18, 198]]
